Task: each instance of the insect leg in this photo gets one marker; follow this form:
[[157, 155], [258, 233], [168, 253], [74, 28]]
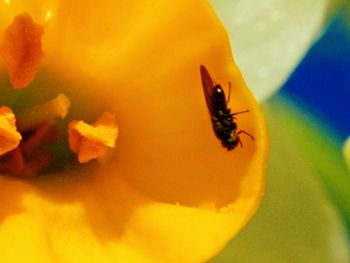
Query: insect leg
[[246, 133], [229, 92], [240, 142]]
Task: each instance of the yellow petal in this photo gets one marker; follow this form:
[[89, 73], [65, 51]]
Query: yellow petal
[[172, 193]]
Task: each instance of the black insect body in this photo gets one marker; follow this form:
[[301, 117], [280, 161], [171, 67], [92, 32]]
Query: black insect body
[[224, 127]]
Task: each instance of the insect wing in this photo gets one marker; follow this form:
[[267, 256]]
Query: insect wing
[[208, 86]]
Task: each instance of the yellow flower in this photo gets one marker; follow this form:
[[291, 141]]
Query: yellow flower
[[169, 192]]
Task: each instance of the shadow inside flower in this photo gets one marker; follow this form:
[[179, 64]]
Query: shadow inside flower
[[99, 197]]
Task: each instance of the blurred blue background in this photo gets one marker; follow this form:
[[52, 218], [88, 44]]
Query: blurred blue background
[[322, 81]]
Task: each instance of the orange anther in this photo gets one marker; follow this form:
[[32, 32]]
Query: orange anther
[[9, 137], [92, 141], [21, 49]]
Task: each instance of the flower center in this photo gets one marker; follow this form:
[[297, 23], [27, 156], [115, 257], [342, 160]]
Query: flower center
[[33, 139]]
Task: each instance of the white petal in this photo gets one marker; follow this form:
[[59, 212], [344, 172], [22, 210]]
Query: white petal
[[270, 37], [346, 151]]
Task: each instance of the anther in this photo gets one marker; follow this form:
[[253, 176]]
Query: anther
[[9, 136], [92, 141], [21, 50]]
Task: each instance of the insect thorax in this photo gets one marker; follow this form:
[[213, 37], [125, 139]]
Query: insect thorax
[[218, 99]]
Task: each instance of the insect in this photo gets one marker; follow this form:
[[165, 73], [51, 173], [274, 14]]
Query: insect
[[224, 126]]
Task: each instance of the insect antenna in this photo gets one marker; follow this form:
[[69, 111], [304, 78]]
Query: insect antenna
[[239, 112], [236, 113]]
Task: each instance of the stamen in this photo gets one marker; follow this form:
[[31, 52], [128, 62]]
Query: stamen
[[46, 112], [38, 130], [44, 133], [35, 165], [92, 141], [13, 162], [31, 156], [21, 49], [9, 137]]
